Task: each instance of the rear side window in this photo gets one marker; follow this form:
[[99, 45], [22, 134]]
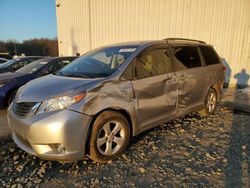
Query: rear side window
[[186, 57], [209, 55]]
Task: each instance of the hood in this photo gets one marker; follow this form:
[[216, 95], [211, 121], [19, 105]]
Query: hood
[[51, 86], [9, 76]]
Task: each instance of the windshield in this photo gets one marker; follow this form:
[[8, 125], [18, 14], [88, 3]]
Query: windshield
[[32, 67], [8, 63], [99, 63]]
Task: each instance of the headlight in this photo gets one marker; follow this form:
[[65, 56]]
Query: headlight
[[59, 103], [1, 85]]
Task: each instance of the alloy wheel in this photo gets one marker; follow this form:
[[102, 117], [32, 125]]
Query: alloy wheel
[[211, 101], [110, 138]]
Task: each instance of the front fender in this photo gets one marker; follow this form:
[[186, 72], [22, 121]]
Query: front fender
[[117, 95]]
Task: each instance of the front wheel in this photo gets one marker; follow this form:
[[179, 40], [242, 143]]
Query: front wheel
[[210, 102], [109, 136]]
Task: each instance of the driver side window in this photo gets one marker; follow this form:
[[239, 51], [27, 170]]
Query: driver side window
[[151, 63]]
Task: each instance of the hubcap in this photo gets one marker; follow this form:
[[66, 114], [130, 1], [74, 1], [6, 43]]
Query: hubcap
[[211, 102], [110, 138]]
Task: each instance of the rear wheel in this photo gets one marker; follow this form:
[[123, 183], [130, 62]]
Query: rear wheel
[[109, 136], [210, 102]]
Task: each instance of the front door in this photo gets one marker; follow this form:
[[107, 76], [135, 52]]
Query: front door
[[155, 87]]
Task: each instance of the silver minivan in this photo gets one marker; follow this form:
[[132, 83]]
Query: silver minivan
[[95, 104]]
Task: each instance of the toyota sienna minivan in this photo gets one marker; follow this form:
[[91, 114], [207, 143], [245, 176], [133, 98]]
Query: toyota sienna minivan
[[95, 104]]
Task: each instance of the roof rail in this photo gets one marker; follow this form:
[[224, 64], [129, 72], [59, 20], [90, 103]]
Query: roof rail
[[199, 41]]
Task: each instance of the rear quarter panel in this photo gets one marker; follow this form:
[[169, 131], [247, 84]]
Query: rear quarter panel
[[216, 75]]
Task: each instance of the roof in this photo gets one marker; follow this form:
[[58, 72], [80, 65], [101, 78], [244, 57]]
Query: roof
[[135, 43], [55, 58], [23, 57], [167, 40], [185, 40]]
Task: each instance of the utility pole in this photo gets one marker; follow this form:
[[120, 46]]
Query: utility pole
[[15, 46]]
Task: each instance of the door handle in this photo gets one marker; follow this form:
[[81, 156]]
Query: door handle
[[170, 79], [167, 79]]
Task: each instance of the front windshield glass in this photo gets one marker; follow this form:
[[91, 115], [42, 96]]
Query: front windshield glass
[[8, 63], [98, 63], [32, 67]]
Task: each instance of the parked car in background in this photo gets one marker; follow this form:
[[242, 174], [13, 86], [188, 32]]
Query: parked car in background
[[11, 81], [2, 60], [95, 104], [5, 55], [15, 64]]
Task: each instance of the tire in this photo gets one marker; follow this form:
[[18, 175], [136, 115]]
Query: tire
[[109, 137], [11, 98], [210, 102]]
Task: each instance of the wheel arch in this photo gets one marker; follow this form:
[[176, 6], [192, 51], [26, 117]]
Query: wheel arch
[[124, 112], [216, 87]]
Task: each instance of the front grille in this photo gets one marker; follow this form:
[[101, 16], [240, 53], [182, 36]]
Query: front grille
[[23, 108]]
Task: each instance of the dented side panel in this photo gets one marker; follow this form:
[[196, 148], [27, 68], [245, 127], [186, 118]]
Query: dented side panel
[[156, 99], [192, 89], [216, 77], [112, 94]]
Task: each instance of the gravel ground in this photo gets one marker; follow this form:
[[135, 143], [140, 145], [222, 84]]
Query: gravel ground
[[192, 151]]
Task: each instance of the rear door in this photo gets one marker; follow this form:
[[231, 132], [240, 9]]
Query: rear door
[[190, 72], [155, 86]]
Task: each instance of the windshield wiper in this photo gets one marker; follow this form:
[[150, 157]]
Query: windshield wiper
[[78, 75]]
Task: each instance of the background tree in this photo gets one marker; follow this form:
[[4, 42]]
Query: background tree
[[41, 47]]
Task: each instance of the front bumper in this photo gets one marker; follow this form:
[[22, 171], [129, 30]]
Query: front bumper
[[60, 135]]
